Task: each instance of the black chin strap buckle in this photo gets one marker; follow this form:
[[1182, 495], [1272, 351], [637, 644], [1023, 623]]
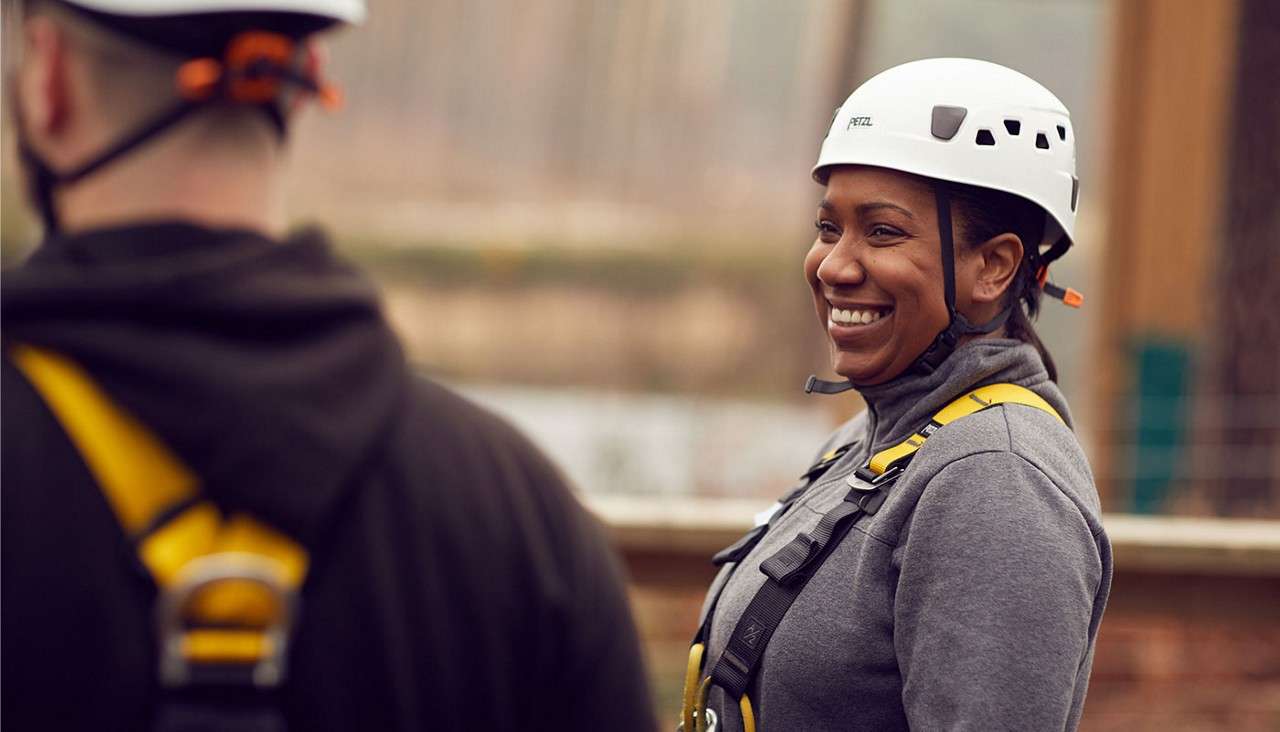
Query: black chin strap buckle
[[938, 351]]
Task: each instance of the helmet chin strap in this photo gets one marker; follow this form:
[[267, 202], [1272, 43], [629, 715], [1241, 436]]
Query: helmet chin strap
[[944, 344], [957, 325], [44, 180]]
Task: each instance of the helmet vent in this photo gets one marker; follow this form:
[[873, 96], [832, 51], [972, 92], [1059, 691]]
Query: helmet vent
[[1062, 133], [985, 138], [1042, 141], [1075, 192], [1013, 126], [946, 121]]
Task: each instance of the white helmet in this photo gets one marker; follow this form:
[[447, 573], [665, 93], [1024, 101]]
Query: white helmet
[[346, 11], [963, 121]]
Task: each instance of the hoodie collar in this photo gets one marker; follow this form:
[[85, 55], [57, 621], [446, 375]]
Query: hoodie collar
[[898, 407], [266, 365]]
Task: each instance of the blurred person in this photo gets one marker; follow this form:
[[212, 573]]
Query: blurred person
[[943, 564], [227, 501]]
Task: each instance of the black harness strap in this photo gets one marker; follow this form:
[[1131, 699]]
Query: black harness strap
[[739, 550], [790, 568], [788, 571]]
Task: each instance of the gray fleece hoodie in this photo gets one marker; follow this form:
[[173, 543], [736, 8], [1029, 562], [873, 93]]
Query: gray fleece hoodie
[[970, 601]]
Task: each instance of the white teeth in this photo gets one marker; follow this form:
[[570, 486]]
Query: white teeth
[[855, 317]]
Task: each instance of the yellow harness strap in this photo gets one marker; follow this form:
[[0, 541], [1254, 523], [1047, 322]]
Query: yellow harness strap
[[219, 617], [975, 401]]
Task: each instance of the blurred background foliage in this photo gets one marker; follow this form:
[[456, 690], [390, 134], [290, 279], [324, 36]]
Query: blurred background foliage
[[615, 197]]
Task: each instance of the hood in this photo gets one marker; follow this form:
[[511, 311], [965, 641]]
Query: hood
[[266, 365]]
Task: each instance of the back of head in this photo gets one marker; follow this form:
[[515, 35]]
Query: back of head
[[228, 72]]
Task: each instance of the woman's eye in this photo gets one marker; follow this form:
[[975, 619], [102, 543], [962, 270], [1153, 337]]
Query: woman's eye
[[881, 231], [826, 230]]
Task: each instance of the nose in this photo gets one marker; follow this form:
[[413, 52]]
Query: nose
[[841, 266]]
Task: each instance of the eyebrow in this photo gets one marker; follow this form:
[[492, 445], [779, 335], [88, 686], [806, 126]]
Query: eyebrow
[[866, 208]]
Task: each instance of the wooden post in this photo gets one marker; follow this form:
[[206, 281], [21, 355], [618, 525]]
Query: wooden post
[[1242, 405], [1173, 69]]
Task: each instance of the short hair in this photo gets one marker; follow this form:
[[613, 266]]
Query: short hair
[[133, 62]]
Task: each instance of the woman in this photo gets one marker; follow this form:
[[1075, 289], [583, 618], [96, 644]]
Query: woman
[[943, 565]]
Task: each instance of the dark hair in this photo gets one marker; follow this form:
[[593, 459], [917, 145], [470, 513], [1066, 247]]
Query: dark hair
[[982, 214]]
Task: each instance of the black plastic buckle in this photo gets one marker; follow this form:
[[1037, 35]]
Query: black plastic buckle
[[792, 560], [941, 348], [871, 502], [822, 466]]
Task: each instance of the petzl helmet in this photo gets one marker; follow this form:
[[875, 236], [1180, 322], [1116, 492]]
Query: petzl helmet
[[963, 121], [970, 122]]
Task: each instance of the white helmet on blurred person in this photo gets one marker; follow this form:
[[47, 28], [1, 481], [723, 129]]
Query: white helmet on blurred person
[[346, 11], [964, 121]]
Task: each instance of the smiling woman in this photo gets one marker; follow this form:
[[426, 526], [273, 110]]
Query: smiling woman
[[942, 564]]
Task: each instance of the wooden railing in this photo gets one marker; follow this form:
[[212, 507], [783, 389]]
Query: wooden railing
[[1190, 640]]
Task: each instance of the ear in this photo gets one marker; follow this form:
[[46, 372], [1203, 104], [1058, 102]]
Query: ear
[[998, 261], [44, 82]]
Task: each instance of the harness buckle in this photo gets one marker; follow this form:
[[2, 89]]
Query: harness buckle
[[892, 473], [195, 651], [708, 717]]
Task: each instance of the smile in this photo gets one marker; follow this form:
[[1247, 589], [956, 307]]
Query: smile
[[856, 316]]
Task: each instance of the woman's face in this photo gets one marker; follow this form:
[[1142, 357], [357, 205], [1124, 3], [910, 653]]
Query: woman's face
[[876, 272]]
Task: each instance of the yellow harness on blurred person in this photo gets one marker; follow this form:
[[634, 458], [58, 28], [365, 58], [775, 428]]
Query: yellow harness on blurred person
[[790, 568], [227, 584]]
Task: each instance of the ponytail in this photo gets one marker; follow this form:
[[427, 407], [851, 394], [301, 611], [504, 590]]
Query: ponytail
[[1019, 326]]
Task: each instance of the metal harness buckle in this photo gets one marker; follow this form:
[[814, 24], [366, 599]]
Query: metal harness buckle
[[892, 473], [265, 668]]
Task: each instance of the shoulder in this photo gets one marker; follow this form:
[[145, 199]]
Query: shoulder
[[462, 463], [447, 422], [1013, 458]]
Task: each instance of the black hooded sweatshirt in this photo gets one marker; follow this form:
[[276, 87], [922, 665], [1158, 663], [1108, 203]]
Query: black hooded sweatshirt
[[455, 583]]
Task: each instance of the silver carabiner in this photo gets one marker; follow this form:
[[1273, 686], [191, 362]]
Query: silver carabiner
[[709, 716]]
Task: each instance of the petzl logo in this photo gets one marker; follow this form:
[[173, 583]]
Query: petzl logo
[[858, 122], [752, 634]]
